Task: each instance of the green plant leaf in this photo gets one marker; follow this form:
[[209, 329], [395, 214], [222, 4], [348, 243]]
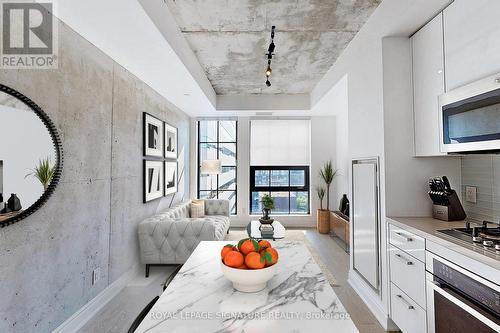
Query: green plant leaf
[[269, 257], [255, 245], [241, 242], [43, 172]]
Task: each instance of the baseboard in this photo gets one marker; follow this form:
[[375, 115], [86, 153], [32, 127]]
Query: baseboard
[[86, 312], [372, 302]]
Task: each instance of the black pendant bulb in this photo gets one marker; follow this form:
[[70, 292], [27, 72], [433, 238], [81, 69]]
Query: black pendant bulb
[[269, 55]]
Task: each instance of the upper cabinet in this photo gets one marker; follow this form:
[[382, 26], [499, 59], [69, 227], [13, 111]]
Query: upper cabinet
[[428, 85], [471, 40]]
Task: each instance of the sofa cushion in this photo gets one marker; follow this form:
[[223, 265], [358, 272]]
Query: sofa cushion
[[197, 208]]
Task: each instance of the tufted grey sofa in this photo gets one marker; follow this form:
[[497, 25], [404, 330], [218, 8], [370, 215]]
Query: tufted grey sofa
[[171, 236]]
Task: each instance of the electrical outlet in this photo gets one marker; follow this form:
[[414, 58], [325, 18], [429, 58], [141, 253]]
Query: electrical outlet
[[471, 194], [96, 275]]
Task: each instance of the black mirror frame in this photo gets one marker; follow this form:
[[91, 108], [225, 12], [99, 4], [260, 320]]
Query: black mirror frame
[[56, 140]]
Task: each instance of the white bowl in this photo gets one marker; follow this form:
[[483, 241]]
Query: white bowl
[[249, 280]]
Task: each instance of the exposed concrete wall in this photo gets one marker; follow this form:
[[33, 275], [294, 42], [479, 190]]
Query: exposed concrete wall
[[130, 98], [46, 260]]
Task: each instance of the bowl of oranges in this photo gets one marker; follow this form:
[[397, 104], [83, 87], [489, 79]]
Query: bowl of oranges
[[250, 264]]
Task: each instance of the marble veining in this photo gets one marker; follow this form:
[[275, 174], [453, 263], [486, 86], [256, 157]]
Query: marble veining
[[297, 299]]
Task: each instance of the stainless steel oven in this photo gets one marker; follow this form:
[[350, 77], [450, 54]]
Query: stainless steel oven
[[470, 117], [459, 301]]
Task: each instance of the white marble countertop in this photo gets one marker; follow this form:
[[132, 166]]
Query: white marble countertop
[[297, 299], [427, 227]]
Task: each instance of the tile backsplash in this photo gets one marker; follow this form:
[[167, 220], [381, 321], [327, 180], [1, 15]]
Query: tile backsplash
[[483, 172]]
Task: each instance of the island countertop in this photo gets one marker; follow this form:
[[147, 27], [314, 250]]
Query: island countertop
[[297, 299], [427, 227]]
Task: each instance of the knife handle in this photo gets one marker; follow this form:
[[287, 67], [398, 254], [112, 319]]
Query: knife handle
[[446, 183]]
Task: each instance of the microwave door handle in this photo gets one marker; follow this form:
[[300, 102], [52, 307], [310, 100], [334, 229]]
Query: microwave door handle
[[437, 288]]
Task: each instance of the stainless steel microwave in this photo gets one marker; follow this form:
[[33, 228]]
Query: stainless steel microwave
[[469, 117]]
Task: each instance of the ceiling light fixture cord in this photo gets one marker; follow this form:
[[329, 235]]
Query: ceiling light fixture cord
[[269, 55]]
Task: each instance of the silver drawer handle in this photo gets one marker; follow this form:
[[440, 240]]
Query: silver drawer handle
[[408, 262], [410, 307], [408, 239]]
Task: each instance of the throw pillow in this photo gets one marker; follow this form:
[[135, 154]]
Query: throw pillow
[[197, 208]]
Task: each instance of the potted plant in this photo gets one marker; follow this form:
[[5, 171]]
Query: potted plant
[[43, 172], [327, 174], [267, 205], [322, 216]]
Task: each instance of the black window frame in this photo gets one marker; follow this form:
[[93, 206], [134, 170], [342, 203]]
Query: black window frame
[[289, 188], [218, 143]]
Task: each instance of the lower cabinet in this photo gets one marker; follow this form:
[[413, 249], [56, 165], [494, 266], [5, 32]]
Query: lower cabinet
[[406, 313], [407, 280], [408, 274]]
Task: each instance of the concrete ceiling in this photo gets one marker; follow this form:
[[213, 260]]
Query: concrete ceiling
[[230, 39]]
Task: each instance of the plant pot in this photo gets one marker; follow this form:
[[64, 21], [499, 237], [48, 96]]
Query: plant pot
[[266, 219], [323, 221]]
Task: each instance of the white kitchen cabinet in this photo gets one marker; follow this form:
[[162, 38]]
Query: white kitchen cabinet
[[471, 40], [408, 274], [407, 241], [409, 317], [407, 279], [428, 85]]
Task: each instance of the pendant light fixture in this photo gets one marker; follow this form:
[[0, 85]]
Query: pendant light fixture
[[269, 55]]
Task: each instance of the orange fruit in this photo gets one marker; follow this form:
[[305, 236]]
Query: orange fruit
[[233, 259], [270, 256], [248, 245], [227, 248], [253, 260], [264, 244], [242, 267]]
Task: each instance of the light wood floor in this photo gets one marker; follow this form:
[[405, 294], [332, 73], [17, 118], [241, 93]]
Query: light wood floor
[[337, 262], [119, 313]]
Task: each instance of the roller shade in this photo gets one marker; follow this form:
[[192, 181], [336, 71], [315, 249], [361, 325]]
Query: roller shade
[[280, 142]]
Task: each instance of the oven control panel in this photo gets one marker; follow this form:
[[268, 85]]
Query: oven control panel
[[467, 286]]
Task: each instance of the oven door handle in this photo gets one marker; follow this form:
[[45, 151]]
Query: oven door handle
[[437, 288]]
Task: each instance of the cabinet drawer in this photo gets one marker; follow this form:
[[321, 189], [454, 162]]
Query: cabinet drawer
[[408, 274], [407, 241], [409, 317]]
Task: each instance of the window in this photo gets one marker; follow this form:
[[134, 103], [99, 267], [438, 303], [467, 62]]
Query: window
[[279, 164], [217, 141], [288, 185]]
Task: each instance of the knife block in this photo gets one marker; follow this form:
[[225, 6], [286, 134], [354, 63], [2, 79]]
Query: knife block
[[448, 207]]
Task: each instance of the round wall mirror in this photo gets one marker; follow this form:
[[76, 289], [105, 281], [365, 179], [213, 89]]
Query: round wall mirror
[[30, 156]]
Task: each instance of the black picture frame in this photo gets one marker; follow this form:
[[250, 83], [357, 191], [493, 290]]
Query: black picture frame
[[58, 147], [176, 178], [144, 181], [165, 125], [145, 115]]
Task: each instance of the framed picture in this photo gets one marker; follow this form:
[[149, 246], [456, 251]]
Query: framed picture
[[154, 184], [170, 177], [153, 136], [170, 141]]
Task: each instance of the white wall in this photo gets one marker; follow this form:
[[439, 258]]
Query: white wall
[[335, 105], [323, 144]]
